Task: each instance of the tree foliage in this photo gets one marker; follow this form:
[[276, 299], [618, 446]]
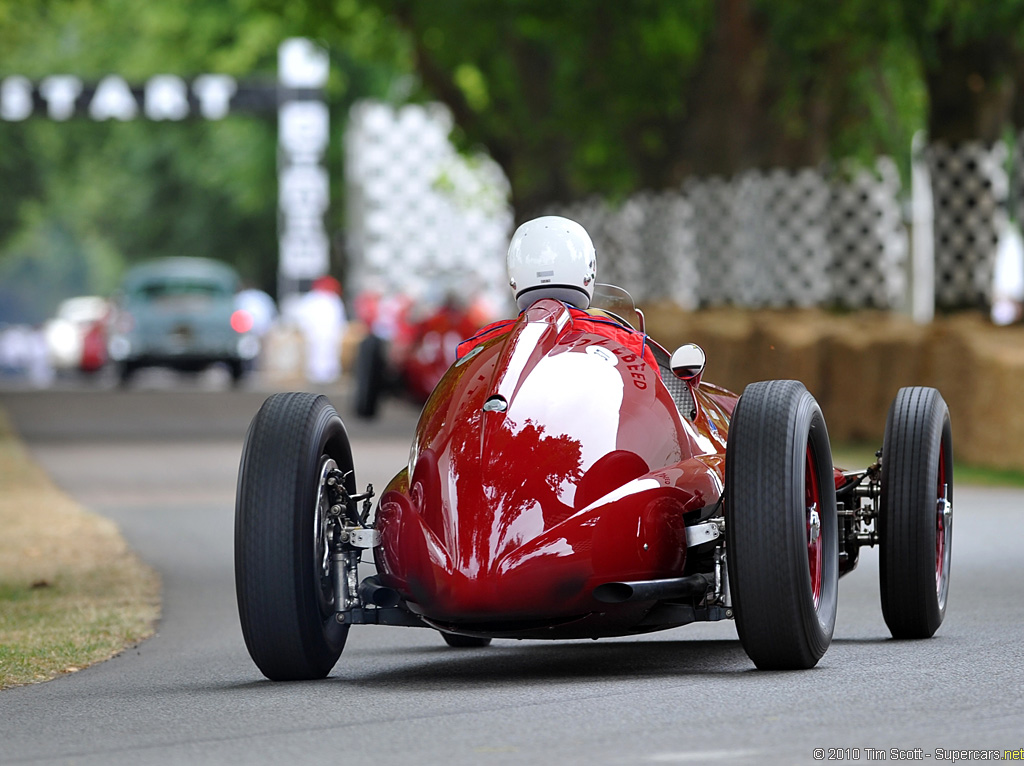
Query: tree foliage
[[79, 200], [972, 57], [575, 98], [572, 98]]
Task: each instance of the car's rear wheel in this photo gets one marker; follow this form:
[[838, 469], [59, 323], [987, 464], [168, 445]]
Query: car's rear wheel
[[915, 521], [781, 526], [282, 557], [237, 370], [125, 373], [464, 642]]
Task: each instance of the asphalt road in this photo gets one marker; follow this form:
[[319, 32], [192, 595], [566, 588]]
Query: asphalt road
[[162, 462]]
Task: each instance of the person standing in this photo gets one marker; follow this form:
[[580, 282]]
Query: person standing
[[321, 318]]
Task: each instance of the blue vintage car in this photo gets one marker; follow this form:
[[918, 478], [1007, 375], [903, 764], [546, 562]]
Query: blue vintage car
[[180, 313]]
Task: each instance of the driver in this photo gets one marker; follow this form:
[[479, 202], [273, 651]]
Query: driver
[[554, 257]]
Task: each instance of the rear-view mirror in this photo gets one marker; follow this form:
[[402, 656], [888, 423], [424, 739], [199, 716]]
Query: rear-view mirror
[[687, 362]]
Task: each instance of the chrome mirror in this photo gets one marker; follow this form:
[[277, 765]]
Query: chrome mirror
[[688, 363]]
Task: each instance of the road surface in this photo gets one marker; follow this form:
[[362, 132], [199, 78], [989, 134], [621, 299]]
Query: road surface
[[162, 463]]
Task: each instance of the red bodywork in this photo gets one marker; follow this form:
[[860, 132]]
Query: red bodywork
[[549, 460]]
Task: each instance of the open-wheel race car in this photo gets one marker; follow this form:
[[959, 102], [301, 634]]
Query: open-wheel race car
[[409, 346], [570, 478]]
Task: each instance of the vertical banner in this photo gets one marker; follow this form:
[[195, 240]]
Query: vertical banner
[[303, 182]]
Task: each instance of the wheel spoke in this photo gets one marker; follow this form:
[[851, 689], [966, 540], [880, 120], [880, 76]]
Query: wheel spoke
[[321, 536], [812, 497], [943, 517]]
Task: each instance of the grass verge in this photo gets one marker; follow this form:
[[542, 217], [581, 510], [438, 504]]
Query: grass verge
[[853, 457], [71, 592]]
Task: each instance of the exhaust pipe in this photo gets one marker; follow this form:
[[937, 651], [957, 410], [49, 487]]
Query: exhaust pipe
[[653, 590], [372, 592]]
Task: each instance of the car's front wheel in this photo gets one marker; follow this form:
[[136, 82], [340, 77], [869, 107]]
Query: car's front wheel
[[125, 373], [781, 526], [283, 568], [237, 369]]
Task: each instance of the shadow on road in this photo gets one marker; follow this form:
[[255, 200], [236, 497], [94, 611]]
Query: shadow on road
[[512, 665]]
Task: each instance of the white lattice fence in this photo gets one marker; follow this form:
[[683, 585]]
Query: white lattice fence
[[419, 214], [784, 252], [669, 247], [969, 187], [715, 250], [647, 244], [758, 239], [868, 239]]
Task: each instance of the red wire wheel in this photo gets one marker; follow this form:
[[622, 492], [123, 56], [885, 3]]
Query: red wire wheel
[[815, 545]]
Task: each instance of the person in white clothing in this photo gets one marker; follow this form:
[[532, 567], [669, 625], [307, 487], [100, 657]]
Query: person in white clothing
[[1008, 277], [321, 318]]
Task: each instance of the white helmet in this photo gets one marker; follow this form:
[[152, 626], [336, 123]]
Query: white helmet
[[552, 257]]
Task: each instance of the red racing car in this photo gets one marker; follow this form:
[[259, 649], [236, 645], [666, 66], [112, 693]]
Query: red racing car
[[567, 482], [409, 346], [569, 478]]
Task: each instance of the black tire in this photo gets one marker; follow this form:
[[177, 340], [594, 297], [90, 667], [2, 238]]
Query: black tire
[[285, 598], [915, 523], [465, 642], [784, 581], [370, 376], [238, 371], [125, 373]]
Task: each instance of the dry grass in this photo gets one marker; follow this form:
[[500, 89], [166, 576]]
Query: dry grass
[[71, 592]]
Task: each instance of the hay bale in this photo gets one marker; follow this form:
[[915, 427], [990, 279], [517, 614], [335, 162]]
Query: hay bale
[[984, 374], [855, 364]]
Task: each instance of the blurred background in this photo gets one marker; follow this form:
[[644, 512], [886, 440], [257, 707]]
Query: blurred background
[[740, 153]]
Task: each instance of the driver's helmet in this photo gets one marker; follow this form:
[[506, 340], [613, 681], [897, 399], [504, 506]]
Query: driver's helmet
[[552, 257]]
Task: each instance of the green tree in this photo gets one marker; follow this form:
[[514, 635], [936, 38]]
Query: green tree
[[972, 58], [580, 97], [82, 199], [584, 96], [572, 98]]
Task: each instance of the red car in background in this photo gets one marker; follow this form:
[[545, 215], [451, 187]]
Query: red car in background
[[409, 346], [94, 346], [71, 334]]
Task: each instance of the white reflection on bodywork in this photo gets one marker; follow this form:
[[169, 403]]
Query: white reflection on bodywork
[[589, 415], [632, 488]]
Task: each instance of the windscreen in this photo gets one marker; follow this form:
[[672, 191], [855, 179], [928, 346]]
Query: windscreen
[[616, 301], [181, 292]]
